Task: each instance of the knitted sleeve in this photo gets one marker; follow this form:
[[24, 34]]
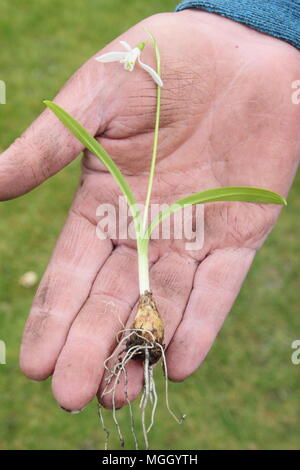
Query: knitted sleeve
[[279, 18]]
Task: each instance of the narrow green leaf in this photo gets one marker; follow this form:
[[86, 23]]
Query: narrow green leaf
[[231, 193], [93, 145]]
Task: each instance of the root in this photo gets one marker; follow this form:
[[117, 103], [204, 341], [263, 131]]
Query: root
[[153, 400], [121, 437], [165, 369], [146, 396], [106, 431], [132, 427], [127, 350]]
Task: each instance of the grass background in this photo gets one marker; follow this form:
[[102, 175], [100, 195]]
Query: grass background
[[246, 394]]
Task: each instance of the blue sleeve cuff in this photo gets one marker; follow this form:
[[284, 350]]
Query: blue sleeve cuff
[[278, 18]]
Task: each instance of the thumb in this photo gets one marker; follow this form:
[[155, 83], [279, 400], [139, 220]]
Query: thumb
[[47, 146]]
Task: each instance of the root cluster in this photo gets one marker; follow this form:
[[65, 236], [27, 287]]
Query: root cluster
[[144, 342]]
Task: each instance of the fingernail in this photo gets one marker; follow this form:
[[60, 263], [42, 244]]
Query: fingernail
[[72, 412]]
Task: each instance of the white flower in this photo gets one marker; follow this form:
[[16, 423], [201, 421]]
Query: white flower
[[129, 58]]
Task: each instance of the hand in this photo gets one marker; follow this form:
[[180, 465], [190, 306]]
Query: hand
[[227, 119]]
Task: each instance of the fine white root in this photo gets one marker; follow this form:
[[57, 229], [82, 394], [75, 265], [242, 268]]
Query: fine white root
[[118, 367], [124, 353], [145, 401], [142, 399], [106, 431], [116, 351], [121, 437], [116, 373], [153, 398], [165, 369], [130, 409]]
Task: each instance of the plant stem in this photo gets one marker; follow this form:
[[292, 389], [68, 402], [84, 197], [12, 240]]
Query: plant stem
[[143, 265], [142, 242], [155, 143]]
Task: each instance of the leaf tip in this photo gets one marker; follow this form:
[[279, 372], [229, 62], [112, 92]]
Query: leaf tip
[[47, 103]]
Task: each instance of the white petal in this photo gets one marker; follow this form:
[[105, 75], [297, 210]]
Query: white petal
[[126, 45], [111, 57], [151, 72]]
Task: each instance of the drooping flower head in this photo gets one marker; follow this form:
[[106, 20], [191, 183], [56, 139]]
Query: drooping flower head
[[129, 57]]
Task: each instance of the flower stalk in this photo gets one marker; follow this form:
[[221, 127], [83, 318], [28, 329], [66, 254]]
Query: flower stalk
[[155, 142], [143, 248]]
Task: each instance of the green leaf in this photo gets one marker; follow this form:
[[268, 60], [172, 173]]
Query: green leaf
[[90, 143], [230, 193]]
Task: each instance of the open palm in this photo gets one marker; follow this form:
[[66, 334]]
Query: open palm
[[227, 120]]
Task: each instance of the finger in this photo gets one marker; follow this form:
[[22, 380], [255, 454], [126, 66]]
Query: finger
[[171, 283], [47, 146], [216, 286], [92, 338], [77, 257]]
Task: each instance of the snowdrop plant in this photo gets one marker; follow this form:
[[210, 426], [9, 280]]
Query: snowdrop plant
[[144, 341]]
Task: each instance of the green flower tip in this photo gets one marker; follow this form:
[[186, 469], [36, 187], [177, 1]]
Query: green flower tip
[[141, 45]]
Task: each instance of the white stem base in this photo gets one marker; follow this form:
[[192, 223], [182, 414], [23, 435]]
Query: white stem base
[[144, 282]]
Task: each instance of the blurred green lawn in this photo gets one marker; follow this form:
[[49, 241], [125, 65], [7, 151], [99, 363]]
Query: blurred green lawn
[[246, 394]]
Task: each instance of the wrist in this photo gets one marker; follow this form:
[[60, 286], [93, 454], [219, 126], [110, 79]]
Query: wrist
[[276, 18], [237, 30]]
